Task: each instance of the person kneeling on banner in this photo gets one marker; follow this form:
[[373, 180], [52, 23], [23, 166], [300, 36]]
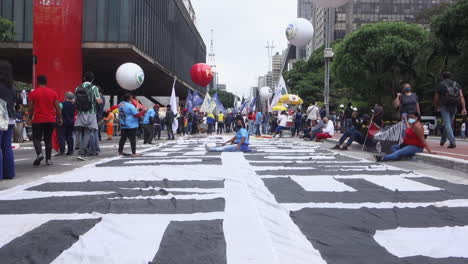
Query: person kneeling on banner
[[413, 142], [356, 133], [238, 143], [328, 130]]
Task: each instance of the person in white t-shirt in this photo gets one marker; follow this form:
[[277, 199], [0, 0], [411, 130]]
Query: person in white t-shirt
[[327, 131], [282, 124], [313, 114]]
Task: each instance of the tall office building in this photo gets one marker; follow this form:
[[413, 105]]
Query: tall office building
[[276, 62], [356, 13], [261, 81], [269, 80]]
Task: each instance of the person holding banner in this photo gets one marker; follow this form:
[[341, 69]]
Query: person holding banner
[[239, 143]]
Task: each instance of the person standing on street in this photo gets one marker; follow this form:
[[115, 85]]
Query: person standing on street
[[148, 126], [169, 121], [221, 120], [266, 123], [128, 115], [109, 119], [407, 101], [45, 111], [297, 123], [229, 121], [258, 123], [348, 117], [7, 94], [65, 131], [448, 97], [87, 98]]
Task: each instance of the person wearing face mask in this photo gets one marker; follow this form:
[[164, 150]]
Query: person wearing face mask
[[413, 142], [240, 142], [407, 101]]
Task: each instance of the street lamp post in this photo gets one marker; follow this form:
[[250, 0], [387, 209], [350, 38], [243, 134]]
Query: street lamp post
[[328, 54]]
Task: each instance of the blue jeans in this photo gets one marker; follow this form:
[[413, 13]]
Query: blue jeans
[[257, 129], [251, 127], [231, 148], [7, 159], [398, 152], [265, 128], [448, 115], [353, 135], [86, 136]]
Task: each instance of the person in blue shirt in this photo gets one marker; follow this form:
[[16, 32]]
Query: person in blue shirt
[[240, 142], [258, 123], [148, 126], [128, 115]]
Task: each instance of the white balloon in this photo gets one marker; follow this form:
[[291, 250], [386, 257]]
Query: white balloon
[[300, 32], [330, 3], [130, 76], [265, 93]]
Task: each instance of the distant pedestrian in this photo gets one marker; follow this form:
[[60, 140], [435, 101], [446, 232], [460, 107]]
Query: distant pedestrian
[[229, 122], [348, 117], [109, 120], [87, 97], [221, 119], [266, 123], [128, 115], [65, 131], [282, 124], [170, 119], [448, 97], [297, 123], [313, 114], [406, 101], [251, 122], [148, 126], [45, 111], [7, 94], [258, 123]]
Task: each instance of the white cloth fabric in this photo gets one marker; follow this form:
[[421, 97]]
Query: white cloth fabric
[[329, 128]]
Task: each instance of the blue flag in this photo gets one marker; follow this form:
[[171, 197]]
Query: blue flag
[[244, 106], [253, 104], [197, 100], [219, 105], [189, 104]]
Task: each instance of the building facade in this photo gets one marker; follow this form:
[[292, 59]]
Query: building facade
[[276, 63]]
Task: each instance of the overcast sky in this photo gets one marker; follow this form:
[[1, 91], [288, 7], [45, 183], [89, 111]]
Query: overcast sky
[[242, 29]]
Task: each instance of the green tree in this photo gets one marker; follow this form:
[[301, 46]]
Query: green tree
[[451, 28], [6, 30], [226, 98], [374, 59]]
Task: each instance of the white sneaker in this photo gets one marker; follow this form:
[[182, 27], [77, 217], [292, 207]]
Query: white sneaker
[[207, 148], [82, 158]]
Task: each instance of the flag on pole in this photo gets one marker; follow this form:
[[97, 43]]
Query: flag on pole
[[253, 104], [205, 108], [188, 103], [278, 92], [196, 99], [175, 124], [219, 105]]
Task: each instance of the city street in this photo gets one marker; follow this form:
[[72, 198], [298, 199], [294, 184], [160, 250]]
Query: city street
[[288, 202]]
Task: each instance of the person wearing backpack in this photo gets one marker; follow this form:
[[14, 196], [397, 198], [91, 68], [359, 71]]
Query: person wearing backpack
[[447, 99], [87, 98], [7, 95]]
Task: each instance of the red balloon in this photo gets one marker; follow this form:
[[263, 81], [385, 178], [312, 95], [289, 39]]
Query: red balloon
[[201, 74]]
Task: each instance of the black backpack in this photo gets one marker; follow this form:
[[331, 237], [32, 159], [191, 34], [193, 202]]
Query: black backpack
[[452, 95], [83, 98]]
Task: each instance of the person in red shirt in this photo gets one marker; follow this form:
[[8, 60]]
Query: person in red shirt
[[414, 141], [45, 112]]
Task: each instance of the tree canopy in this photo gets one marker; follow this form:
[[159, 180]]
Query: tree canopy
[[6, 30]]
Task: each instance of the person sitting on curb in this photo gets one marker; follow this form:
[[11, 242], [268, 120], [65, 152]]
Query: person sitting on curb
[[327, 131], [413, 141], [239, 143], [356, 133]]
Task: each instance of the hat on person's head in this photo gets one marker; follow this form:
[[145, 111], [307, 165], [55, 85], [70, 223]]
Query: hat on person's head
[[365, 117]]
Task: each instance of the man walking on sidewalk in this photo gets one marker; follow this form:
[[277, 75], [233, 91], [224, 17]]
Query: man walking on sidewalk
[[45, 111], [448, 97], [87, 98]]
